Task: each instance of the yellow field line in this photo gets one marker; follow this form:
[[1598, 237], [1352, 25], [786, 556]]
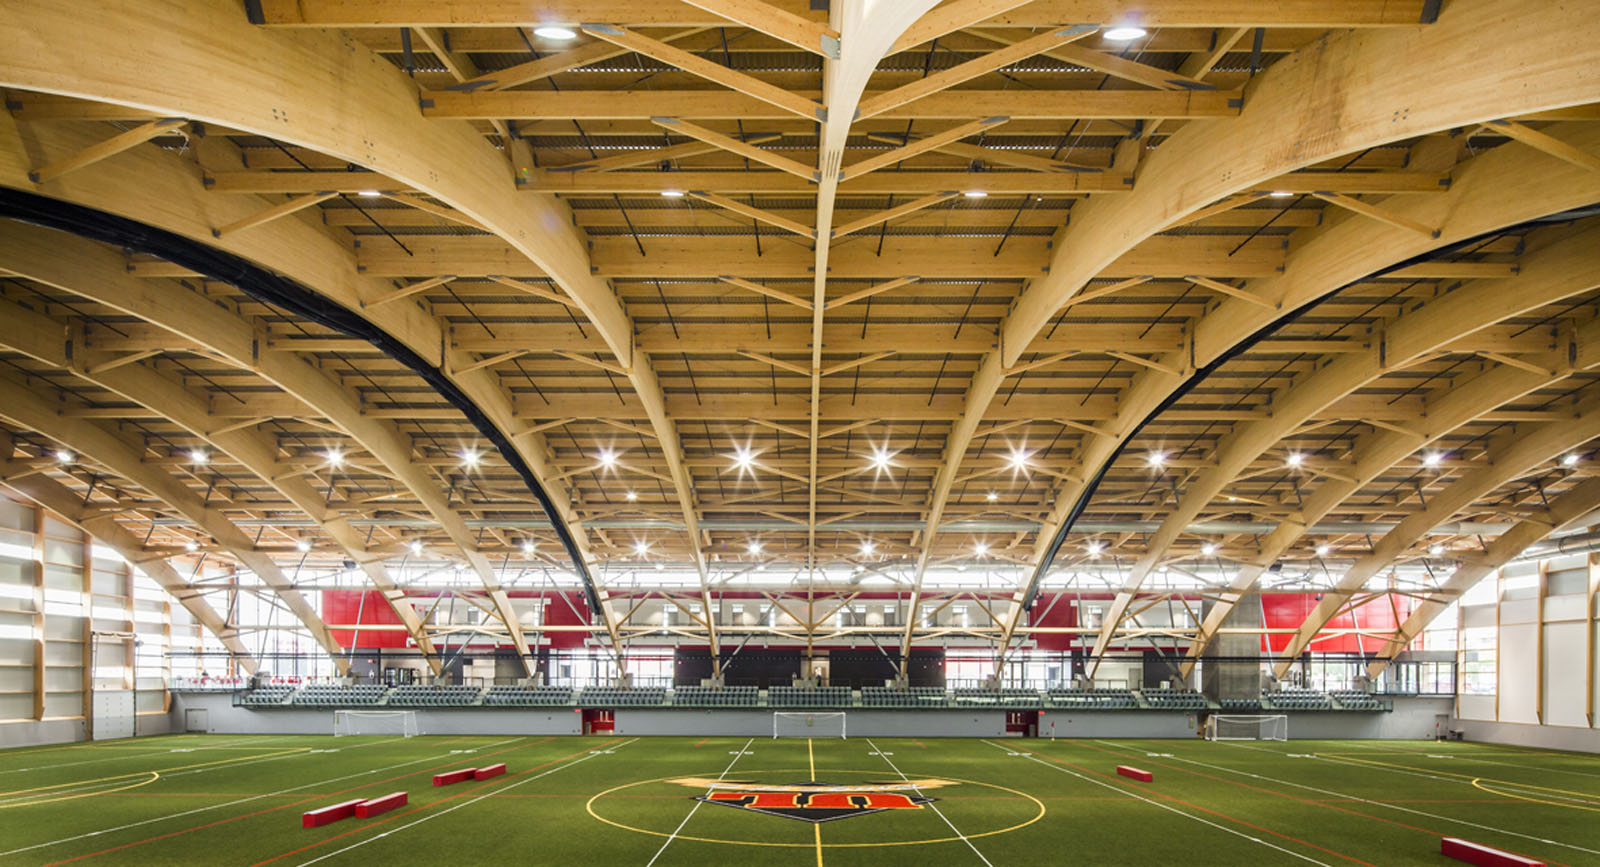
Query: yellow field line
[[163, 770], [816, 827], [154, 775], [1477, 784], [1349, 758]]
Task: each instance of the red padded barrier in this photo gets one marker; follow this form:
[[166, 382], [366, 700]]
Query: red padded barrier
[[373, 806], [324, 815], [1477, 853], [453, 777], [491, 771], [1136, 774]]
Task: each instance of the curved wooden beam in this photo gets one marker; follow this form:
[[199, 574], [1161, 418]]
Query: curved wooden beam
[[1509, 458], [1563, 512], [252, 450], [1560, 270], [94, 271], [378, 126], [23, 406], [1286, 125], [56, 497]]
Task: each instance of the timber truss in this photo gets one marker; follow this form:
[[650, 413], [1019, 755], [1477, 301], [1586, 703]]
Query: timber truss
[[728, 284]]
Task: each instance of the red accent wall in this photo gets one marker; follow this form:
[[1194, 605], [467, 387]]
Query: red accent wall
[[1062, 614], [1289, 610], [343, 606], [557, 612]]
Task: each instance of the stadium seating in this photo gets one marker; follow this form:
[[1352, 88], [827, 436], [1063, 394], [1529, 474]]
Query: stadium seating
[[795, 696], [996, 698], [711, 696], [611, 696], [326, 695], [917, 696], [1240, 705], [1099, 698], [266, 696], [1298, 698], [1355, 699], [1173, 699], [527, 696], [434, 696]]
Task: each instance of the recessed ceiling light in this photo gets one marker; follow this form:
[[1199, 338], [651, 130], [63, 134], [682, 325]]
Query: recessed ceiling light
[[975, 194], [672, 194], [63, 456], [550, 31], [303, 545], [199, 456], [1126, 33]]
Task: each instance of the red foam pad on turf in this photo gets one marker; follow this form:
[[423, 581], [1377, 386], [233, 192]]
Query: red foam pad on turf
[[373, 806], [453, 776], [1477, 853], [1136, 774], [324, 815], [491, 771]]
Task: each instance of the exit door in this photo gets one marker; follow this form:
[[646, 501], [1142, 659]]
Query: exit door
[[1022, 723]]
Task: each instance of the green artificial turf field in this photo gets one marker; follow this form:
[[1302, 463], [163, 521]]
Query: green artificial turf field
[[216, 799]]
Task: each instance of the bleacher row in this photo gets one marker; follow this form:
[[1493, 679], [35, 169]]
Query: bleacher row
[[1100, 698]]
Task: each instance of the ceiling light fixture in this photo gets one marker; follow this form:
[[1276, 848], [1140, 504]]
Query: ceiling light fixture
[[334, 457], [1095, 548], [1433, 459], [199, 456], [1323, 550], [672, 194], [753, 547], [607, 458], [1125, 33], [880, 459], [1157, 459], [976, 194], [469, 458], [1295, 459], [528, 547], [631, 496], [551, 31], [1279, 194], [867, 548], [369, 194], [641, 548], [303, 545], [63, 456], [991, 496], [981, 549], [191, 546], [1018, 459], [1208, 549], [415, 546], [743, 459], [1570, 460]]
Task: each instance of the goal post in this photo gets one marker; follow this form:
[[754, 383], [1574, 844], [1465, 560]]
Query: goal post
[[1247, 727], [395, 723], [808, 725]]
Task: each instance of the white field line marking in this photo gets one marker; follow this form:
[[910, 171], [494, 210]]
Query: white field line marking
[[153, 750], [697, 804], [1469, 757], [1381, 803], [1170, 809], [467, 803], [209, 807], [936, 810]]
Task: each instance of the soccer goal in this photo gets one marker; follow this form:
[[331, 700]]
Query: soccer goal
[[396, 723], [808, 725], [1265, 727]]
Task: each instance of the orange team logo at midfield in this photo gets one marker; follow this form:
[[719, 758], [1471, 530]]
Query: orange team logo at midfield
[[814, 802]]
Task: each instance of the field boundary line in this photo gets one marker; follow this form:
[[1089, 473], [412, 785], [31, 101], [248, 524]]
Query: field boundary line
[[938, 812], [697, 803], [1360, 799], [1168, 807], [230, 819], [591, 754]]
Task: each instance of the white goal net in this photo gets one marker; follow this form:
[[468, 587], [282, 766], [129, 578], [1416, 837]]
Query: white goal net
[[808, 725], [396, 723], [1267, 727]]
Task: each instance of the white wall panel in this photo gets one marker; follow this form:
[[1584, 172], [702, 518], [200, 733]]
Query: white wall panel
[[1558, 608], [1518, 674], [1519, 611], [1565, 646]]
